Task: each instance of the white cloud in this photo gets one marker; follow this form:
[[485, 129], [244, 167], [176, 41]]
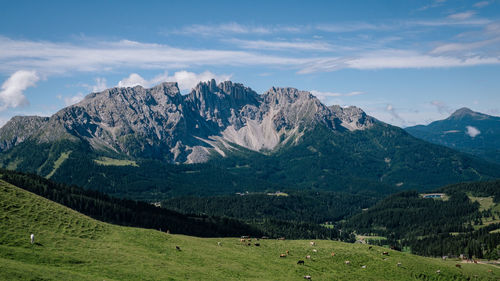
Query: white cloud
[[396, 118], [357, 93], [72, 99], [325, 96], [185, 79], [441, 107], [58, 58], [11, 95], [472, 131], [133, 80], [481, 4], [462, 16], [100, 85], [280, 45]]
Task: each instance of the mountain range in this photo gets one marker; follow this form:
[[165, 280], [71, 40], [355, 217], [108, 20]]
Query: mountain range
[[465, 130], [156, 143]]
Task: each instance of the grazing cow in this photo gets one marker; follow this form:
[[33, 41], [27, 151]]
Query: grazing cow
[[399, 264], [475, 261], [287, 252], [307, 277], [312, 243], [282, 255], [32, 238], [257, 244], [364, 266], [242, 240], [301, 262], [369, 248], [315, 251], [438, 271], [177, 248], [308, 257], [219, 244], [490, 271], [333, 254], [458, 265], [347, 262], [385, 253]]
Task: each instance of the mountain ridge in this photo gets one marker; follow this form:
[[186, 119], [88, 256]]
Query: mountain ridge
[[185, 129], [465, 130], [225, 138]]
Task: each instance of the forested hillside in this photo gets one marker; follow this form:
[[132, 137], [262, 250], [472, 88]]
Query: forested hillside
[[452, 225], [141, 214]]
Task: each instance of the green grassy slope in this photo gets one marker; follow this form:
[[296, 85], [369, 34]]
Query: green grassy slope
[[71, 246]]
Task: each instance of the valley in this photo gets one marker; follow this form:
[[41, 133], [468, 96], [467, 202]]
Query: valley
[[69, 245]]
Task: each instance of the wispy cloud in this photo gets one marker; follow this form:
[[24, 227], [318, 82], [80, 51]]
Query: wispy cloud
[[433, 4], [396, 117], [441, 107], [101, 56], [482, 4], [280, 45], [12, 93], [462, 16], [70, 100]]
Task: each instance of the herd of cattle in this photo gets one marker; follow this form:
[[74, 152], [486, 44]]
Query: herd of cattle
[[245, 240]]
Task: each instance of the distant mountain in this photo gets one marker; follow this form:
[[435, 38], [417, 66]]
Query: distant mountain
[[155, 143], [465, 130]]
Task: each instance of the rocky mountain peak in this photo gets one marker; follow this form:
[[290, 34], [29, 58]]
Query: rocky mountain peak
[[352, 117], [161, 123], [18, 129], [467, 112]]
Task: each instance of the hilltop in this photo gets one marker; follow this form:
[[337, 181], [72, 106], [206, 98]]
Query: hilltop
[[71, 246], [465, 130]]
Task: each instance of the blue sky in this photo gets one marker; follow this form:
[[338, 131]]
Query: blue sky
[[403, 62]]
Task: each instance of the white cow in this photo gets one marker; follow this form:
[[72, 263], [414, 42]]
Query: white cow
[[32, 238]]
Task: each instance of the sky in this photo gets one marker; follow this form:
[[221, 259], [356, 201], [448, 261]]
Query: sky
[[403, 62]]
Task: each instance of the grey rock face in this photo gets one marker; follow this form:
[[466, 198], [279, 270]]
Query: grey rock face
[[18, 129], [161, 123], [352, 118]]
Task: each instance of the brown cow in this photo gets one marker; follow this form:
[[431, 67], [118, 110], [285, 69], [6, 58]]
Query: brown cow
[[458, 265], [282, 255], [333, 254], [287, 252]]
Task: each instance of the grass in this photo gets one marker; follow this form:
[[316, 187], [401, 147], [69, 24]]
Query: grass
[[71, 246], [486, 203], [106, 161], [58, 163]]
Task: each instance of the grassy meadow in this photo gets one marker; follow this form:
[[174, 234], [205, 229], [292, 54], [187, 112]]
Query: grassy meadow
[[71, 246]]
